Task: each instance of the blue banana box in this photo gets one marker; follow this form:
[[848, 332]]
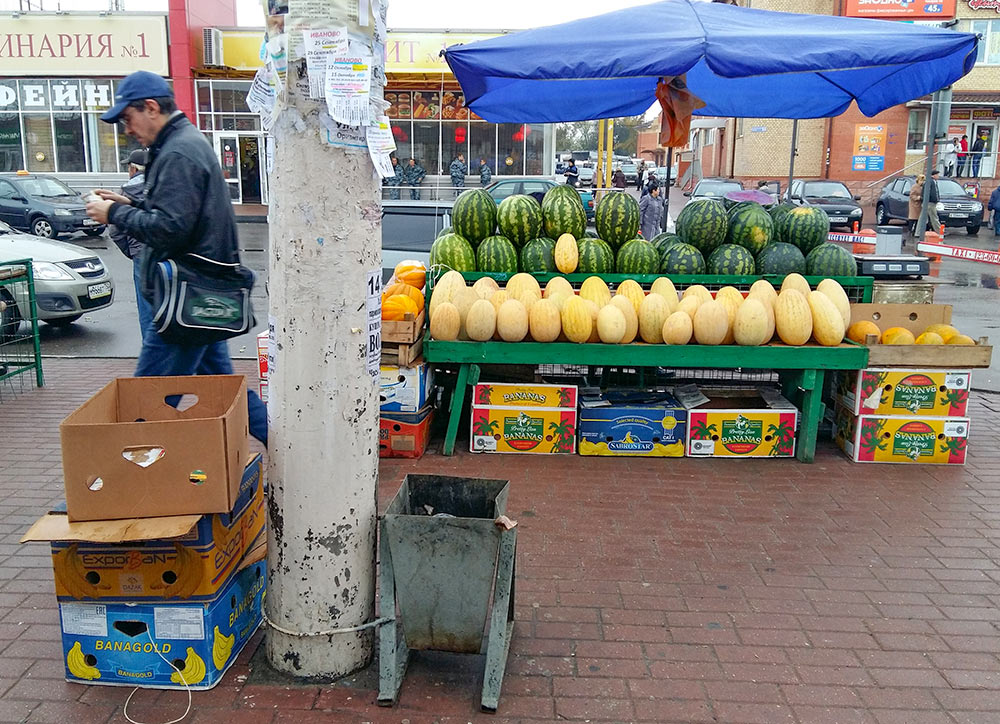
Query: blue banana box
[[640, 423], [154, 645]]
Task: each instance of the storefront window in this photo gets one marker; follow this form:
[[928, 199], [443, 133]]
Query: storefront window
[[38, 140], [100, 144], [534, 149], [126, 144], [401, 134], [230, 96], [988, 51], [11, 156], [425, 147], [454, 141], [482, 144], [916, 130], [249, 122], [510, 149], [204, 96], [69, 142]]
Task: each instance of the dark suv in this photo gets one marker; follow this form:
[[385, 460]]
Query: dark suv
[[43, 205], [955, 207], [832, 196]]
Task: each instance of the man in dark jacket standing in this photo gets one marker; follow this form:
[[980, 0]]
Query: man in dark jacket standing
[[933, 198], [976, 155], [485, 174], [994, 206], [457, 171], [135, 190], [187, 209], [413, 176]]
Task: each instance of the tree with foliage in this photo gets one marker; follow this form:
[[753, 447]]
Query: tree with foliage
[[583, 136]]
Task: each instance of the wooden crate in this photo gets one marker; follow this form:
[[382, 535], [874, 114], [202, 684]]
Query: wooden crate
[[406, 331], [402, 355]]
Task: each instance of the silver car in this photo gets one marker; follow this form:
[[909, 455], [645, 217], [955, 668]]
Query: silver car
[[69, 280]]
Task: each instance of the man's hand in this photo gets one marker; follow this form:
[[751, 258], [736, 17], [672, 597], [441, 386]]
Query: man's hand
[[98, 210], [112, 196]]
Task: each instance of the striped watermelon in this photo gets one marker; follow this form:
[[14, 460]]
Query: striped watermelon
[[474, 215], [831, 260], [731, 259], [617, 218], [563, 212], [681, 258], [453, 252], [805, 226], [750, 226], [496, 254], [520, 219], [537, 255], [637, 257], [781, 258], [776, 212], [596, 257], [662, 241], [703, 224]]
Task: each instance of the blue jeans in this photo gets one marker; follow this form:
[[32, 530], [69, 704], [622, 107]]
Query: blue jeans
[[162, 359], [976, 160], [143, 306]]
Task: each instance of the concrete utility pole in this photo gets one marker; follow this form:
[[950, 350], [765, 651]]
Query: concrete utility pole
[[932, 136], [325, 238]]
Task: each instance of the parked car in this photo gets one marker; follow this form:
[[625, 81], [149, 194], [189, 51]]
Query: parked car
[[43, 205], [69, 280], [586, 177], [832, 196], [533, 186], [631, 172], [955, 207], [409, 227], [714, 188], [661, 175]]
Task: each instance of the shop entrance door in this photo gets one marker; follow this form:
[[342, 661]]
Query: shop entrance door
[[251, 176], [988, 165], [228, 151]]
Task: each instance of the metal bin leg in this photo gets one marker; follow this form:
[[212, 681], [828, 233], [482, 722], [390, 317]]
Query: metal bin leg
[[393, 654], [501, 624]]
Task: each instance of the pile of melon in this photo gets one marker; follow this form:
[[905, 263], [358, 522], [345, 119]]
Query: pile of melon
[[403, 295], [523, 310], [933, 334]]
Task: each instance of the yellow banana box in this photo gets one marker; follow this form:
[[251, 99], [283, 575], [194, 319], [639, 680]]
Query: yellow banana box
[[633, 423], [903, 392], [162, 645], [181, 558]]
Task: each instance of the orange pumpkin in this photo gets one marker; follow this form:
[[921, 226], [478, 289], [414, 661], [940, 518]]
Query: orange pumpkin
[[411, 272], [397, 306], [406, 290]]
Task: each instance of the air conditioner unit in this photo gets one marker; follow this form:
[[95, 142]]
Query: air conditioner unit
[[212, 47]]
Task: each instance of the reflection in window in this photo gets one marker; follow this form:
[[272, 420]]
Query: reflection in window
[[11, 157], [425, 146], [204, 91], [69, 142], [101, 144], [38, 139], [510, 149], [454, 141], [534, 148], [126, 144], [916, 130], [230, 96], [482, 144]]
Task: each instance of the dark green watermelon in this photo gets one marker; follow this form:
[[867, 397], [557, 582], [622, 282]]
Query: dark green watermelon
[[661, 241], [474, 215], [453, 251], [616, 218], [681, 258], [805, 226], [750, 226], [638, 257], [496, 254], [831, 260], [538, 255], [596, 257], [776, 212], [731, 259], [703, 224], [781, 258]]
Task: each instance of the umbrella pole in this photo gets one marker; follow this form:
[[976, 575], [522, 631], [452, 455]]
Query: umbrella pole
[[791, 159], [918, 233], [666, 189]]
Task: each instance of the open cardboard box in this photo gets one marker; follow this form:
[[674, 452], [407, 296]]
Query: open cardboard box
[[916, 318], [127, 453]]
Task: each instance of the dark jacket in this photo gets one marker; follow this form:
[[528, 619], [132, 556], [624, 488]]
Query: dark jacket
[[571, 173], [994, 204], [979, 146], [650, 215], [485, 174], [933, 195], [414, 175], [618, 180], [135, 189], [457, 171], [187, 208]]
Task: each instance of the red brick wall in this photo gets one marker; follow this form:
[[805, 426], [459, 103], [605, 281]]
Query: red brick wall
[[842, 145]]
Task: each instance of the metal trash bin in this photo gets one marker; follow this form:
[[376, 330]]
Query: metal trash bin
[[447, 565]]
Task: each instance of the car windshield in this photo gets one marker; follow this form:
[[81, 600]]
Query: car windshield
[[629, 168], [827, 190], [47, 188], [717, 188], [947, 187]]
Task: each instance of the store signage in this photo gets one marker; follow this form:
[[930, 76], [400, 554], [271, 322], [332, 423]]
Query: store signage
[[82, 45], [903, 9], [869, 147], [993, 5], [91, 95]]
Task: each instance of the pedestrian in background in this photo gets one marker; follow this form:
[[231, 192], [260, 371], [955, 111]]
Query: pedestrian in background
[[187, 210], [618, 180], [414, 176], [916, 200], [976, 154], [485, 174], [950, 161], [640, 173], [458, 171], [651, 214], [395, 181], [933, 197], [994, 206], [651, 183], [962, 153], [135, 190], [572, 173]]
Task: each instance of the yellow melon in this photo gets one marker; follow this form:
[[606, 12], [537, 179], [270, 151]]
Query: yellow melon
[[594, 289], [897, 336], [859, 331], [930, 338], [764, 289], [521, 283], [711, 323], [632, 290], [594, 311], [558, 285], [828, 324], [798, 283], [463, 300], [698, 290], [512, 321], [752, 326], [945, 330], [731, 308], [678, 328], [610, 324], [498, 298], [653, 312], [567, 254], [486, 287], [481, 321], [543, 321], [689, 305], [445, 322], [730, 293], [445, 288], [961, 339], [559, 298], [396, 306], [665, 288], [837, 295], [529, 298], [792, 317], [577, 322], [631, 318], [410, 272]]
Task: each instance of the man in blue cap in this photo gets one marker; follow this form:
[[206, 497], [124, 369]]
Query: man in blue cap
[[186, 210]]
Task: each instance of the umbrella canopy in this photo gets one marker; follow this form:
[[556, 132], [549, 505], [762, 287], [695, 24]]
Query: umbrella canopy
[[739, 61]]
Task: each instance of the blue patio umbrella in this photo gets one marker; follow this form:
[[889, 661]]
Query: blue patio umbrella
[[739, 61]]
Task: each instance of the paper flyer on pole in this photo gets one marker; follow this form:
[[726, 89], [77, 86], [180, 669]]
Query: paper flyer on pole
[[321, 45], [374, 308], [262, 97], [380, 145], [348, 87]]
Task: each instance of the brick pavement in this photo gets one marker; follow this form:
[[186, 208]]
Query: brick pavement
[[648, 590]]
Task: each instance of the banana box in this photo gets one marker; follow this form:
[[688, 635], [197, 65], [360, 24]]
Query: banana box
[[162, 645], [633, 423], [902, 392], [186, 558], [742, 424], [889, 439], [523, 418]]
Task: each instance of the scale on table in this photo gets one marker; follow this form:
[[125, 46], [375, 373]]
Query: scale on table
[[889, 261]]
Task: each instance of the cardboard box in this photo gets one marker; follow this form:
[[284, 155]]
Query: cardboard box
[[262, 368], [916, 318], [902, 391], [128, 454], [641, 423], [888, 439], [404, 435], [186, 557], [742, 424], [529, 418], [127, 644], [405, 389]]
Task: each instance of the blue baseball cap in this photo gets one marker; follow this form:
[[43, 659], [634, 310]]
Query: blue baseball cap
[[137, 87]]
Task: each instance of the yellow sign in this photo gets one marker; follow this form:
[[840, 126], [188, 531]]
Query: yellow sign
[[404, 52], [83, 45]]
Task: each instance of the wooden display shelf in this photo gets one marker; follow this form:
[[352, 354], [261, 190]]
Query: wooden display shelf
[[402, 355], [406, 331]]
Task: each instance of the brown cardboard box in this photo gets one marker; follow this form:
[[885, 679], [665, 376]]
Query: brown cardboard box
[[128, 454], [916, 318]]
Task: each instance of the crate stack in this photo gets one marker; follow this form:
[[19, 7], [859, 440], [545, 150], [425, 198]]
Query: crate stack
[[158, 555]]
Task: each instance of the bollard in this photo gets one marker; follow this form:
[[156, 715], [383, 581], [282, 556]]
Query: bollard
[[857, 226]]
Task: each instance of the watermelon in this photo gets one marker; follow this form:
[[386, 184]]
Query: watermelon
[[453, 251], [474, 215], [537, 255], [703, 224], [681, 258], [520, 219], [596, 257], [778, 211], [805, 226], [750, 226], [781, 258], [496, 254], [563, 212], [731, 259], [662, 241], [617, 218], [637, 257], [752, 196], [831, 260]]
